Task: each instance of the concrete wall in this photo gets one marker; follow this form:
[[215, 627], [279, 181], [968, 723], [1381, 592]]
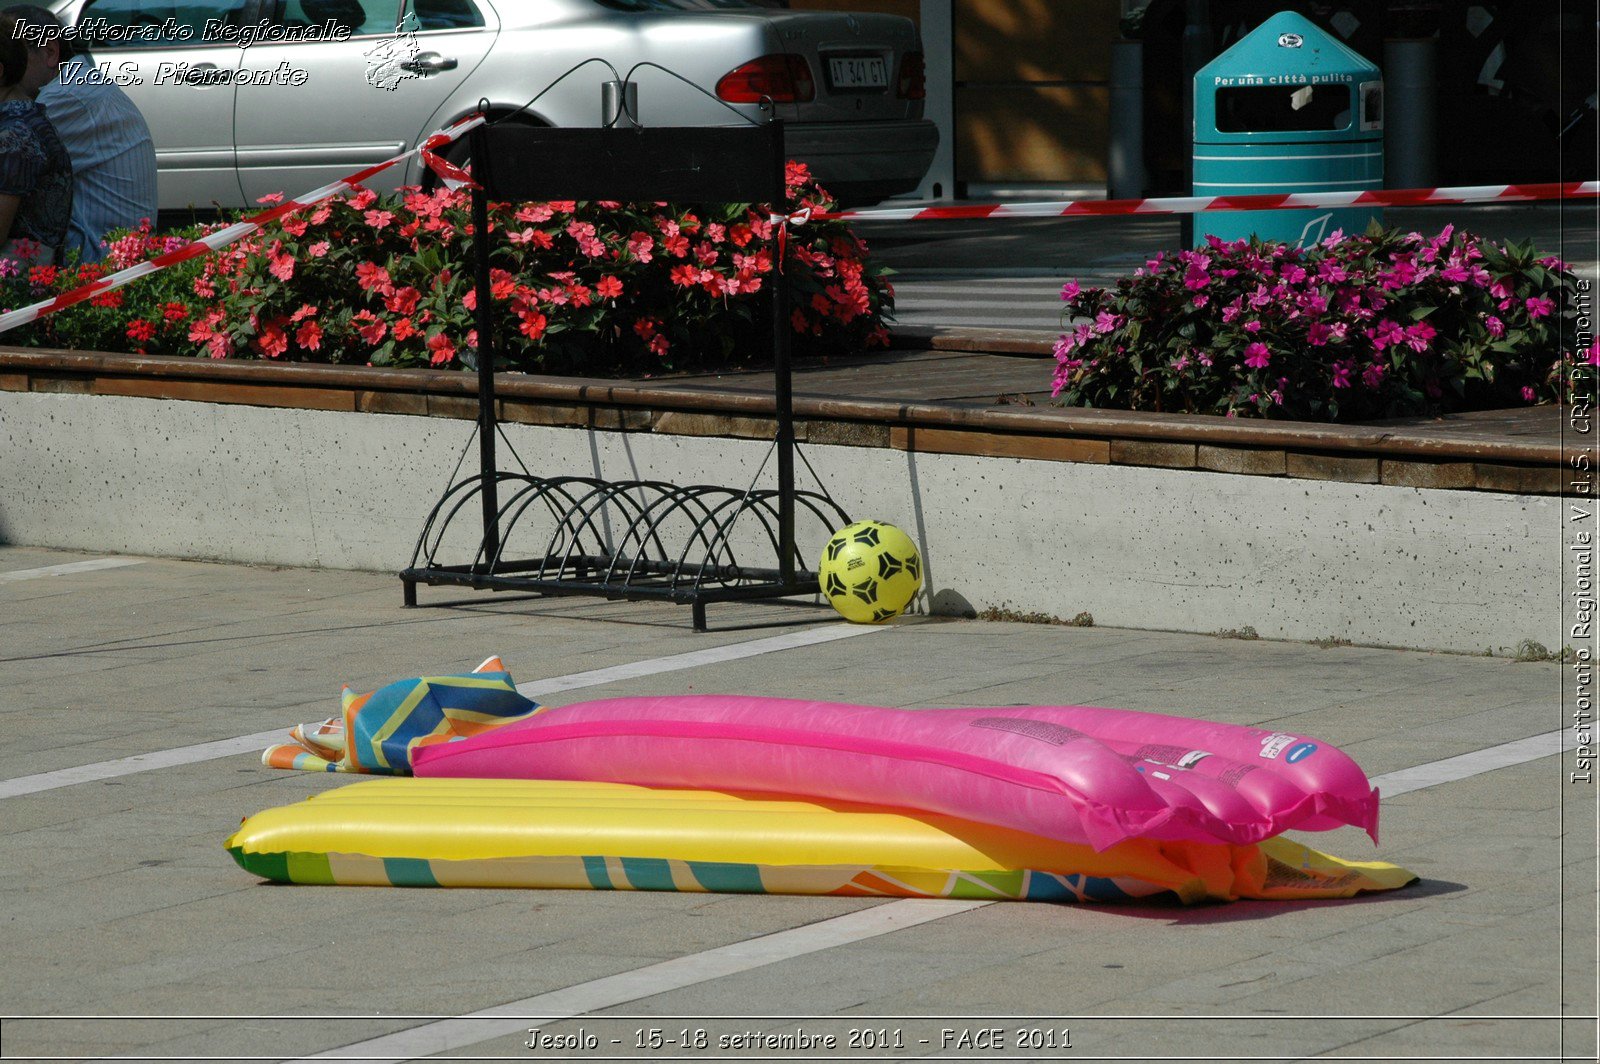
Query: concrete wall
[[1136, 547]]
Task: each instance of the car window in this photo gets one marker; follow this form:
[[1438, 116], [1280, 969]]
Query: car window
[[360, 17], [445, 14], [157, 23]]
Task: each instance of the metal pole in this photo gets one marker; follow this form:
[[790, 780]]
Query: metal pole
[[619, 105], [1410, 90], [783, 393], [1125, 165], [936, 21], [1196, 53], [486, 351]]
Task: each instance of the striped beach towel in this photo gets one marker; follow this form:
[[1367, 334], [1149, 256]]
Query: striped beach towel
[[377, 732]]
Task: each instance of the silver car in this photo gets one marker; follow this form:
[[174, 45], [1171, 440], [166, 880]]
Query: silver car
[[249, 97]]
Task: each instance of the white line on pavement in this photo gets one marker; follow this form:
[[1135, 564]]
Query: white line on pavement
[[691, 659], [1012, 274], [1476, 763], [1051, 289], [188, 755], [511, 1018], [443, 1036], [67, 568], [127, 766], [1044, 278], [1030, 328], [941, 303]]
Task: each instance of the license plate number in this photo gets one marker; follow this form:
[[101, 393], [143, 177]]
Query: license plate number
[[858, 72]]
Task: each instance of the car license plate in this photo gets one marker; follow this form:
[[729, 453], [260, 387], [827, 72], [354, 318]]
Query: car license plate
[[858, 72]]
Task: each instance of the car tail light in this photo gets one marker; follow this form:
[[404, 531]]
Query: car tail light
[[785, 78], [913, 77]]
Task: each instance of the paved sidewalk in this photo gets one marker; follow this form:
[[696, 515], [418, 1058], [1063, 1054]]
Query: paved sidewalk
[[1089, 247], [121, 902], [966, 369], [1008, 272]]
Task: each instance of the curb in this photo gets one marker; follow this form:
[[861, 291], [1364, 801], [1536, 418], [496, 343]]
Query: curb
[[1032, 343]]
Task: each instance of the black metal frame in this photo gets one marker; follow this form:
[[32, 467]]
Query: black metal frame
[[611, 537]]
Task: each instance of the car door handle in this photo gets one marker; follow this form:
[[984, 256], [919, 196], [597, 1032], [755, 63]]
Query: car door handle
[[428, 63], [201, 74]]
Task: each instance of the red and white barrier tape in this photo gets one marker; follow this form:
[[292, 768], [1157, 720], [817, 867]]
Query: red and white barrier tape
[[1406, 197], [453, 175], [239, 230]]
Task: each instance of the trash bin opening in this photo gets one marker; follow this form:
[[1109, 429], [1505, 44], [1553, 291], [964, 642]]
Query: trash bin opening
[[1283, 108]]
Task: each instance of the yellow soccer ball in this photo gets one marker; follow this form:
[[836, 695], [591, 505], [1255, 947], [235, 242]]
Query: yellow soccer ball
[[870, 571]]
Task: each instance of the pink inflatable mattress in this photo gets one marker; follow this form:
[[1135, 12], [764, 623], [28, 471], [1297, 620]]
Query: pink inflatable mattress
[[1074, 773]]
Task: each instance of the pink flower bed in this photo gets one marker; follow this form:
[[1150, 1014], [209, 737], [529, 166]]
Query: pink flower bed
[[1355, 328]]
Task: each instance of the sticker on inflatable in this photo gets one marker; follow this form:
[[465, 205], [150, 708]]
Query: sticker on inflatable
[[1193, 758], [1300, 753], [1238, 772], [1055, 734], [1155, 771], [1273, 744]]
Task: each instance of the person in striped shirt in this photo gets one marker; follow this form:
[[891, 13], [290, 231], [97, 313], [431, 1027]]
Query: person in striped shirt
[[113, 157]]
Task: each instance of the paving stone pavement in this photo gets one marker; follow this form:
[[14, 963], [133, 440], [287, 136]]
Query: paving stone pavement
[[1008, 273], [120, 902]]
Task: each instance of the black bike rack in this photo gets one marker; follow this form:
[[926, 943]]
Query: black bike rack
[[634, 539]]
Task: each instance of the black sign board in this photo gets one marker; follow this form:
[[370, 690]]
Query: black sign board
[[689, 164]]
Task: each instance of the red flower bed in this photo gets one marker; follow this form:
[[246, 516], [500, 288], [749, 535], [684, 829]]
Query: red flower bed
[[580, 287]]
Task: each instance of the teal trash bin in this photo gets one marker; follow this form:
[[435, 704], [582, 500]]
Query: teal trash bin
[[1287, 109]]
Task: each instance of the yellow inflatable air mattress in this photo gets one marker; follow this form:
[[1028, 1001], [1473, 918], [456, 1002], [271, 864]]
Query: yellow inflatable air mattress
[[603, 836]]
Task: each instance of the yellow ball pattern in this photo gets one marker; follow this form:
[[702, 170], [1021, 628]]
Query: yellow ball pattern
[[870, 571]]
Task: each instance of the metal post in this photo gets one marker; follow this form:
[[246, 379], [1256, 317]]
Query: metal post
[[619, 105], [1197, 50], [486, 351], [1125, 165], [1410, 90], [936, 21], [783, 393]]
